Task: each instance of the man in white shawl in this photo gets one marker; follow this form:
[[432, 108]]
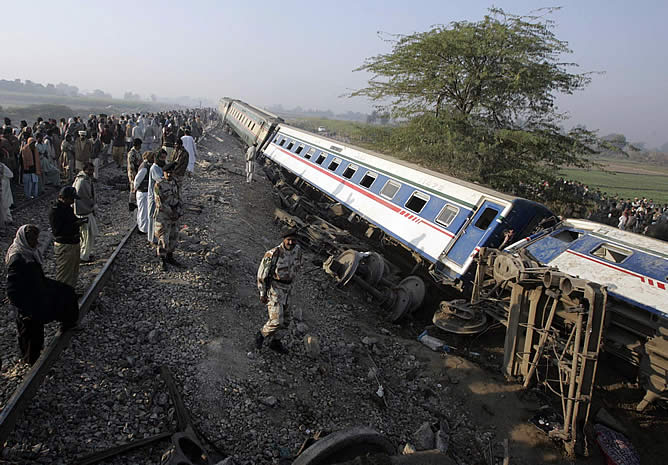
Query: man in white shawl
[[138, 131], [189, 145], [148, 136], [141, 182], [85, 207], [155, 174]]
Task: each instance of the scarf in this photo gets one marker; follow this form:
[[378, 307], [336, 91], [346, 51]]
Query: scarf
[[21, 247]]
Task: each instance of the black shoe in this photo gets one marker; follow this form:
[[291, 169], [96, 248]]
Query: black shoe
[[277, 346], [259, 339], [163, 265]]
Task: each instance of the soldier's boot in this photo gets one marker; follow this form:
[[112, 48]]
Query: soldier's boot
[[163, 264], [277, 346], [259, 339], [171, 260]]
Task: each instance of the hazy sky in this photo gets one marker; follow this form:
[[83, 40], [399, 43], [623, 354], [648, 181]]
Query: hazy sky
[[303, 53]]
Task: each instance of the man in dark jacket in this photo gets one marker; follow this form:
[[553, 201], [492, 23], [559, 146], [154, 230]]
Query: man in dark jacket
[[37, 299], [65, 228]]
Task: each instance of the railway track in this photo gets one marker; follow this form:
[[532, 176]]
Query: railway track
[[33, 379]]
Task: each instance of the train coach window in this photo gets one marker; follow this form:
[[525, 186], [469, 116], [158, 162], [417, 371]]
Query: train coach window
[[486, 218], [310, 153], [566, 235], [290, 145], [282, 142], [299, 149], [350, 171], [611, 253], [321, 158], [417, 201], [448, 214], [368, 179], [390, 189], [334, 164]]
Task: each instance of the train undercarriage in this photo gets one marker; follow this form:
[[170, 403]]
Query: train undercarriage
[[556, 325]]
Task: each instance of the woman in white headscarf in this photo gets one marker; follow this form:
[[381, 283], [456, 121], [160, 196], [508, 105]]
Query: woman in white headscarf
[[37, 299]]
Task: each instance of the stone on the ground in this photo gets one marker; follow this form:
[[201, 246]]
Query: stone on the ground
[[424, 438], [408, 449], [269, 401], [312, 346], [369, 340]]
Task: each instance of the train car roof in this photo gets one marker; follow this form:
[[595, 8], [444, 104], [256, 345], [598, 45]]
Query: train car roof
[[414, 166], [259, 110], [634, 240]]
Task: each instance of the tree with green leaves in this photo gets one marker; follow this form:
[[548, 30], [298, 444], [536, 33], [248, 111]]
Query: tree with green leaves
[[478, 99]]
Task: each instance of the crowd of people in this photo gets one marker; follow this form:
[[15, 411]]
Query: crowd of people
[[638, 215], [157, 151]]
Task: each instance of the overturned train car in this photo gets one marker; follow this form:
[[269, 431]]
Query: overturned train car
[[634, 269], [253, 125]]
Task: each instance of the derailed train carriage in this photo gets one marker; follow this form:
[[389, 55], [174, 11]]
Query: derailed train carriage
[[253, 125], [445, 223]]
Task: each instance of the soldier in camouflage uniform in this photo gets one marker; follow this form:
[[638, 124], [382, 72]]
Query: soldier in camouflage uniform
[[168, 209], [277, 271]]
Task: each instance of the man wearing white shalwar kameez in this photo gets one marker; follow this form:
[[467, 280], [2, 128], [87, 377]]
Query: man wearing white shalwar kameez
[[155, 174], [85, 207], [250, 162], [189, 145], [141, 191], [138, 132], [7, 198]]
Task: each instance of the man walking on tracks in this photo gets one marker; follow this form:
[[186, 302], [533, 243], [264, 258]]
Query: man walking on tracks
[[65, 228], [250, 162], [85, 207], [168, 209], [278, 269]]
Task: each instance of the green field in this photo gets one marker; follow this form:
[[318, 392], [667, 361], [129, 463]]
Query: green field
[[625, 184]]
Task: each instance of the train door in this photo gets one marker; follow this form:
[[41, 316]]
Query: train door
[[472, 234]]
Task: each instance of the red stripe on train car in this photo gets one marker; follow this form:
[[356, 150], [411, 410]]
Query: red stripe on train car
[[389, 205]]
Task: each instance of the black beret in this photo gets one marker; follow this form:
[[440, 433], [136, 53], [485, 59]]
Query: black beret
[[287, 232]]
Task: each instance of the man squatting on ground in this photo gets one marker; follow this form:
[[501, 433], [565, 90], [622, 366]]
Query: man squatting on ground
[[250, 162], [36, 298], [65, 228], [168, 210], [86, 207], [277, 271]]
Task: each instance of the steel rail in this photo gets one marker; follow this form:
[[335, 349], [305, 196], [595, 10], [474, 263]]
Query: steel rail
[[33, 379]]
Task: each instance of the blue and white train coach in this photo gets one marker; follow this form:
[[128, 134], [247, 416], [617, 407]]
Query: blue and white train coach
[[441, 218]]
